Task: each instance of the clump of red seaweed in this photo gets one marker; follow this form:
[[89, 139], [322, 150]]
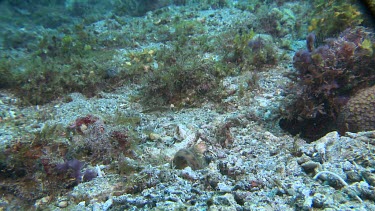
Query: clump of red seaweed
[[83, 122], [325, 76]]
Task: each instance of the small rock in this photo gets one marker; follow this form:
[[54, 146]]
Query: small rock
[[353, 176], [310, 166], [107, 204], [45, 200], [224, 187], [62, 204], [83, 128], [154, 136], [369, 177], [189, 174], [318, 200], [225, 202]]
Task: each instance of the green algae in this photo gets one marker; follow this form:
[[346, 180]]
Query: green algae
[[332, 17]]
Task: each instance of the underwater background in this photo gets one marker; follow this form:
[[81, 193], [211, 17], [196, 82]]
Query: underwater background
[[187, 105]]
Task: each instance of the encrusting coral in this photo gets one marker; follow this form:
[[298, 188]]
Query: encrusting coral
[[359, 113]]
